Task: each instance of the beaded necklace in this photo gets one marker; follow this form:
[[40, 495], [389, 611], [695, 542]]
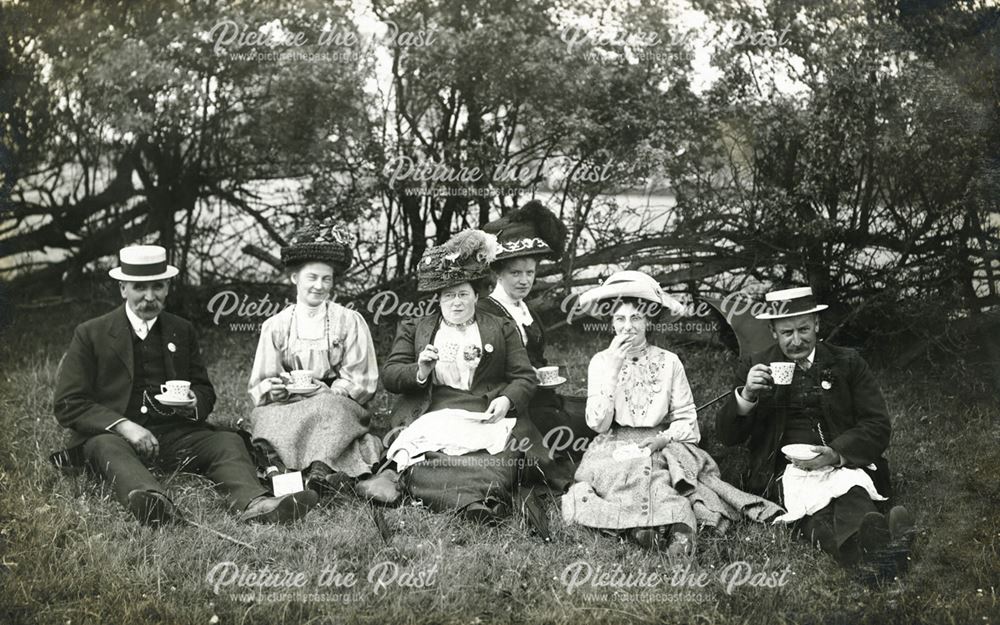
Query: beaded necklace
[[641, 380], [461, 325]]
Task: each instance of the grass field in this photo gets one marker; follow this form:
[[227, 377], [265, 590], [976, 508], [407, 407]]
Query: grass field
[[71, 555]]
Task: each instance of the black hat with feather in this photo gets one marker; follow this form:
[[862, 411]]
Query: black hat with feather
[[531, 230]]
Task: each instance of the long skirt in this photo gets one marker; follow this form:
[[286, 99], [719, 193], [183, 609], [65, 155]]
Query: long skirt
[[444, 482], [554, 437], [617, 487], [329, 428]]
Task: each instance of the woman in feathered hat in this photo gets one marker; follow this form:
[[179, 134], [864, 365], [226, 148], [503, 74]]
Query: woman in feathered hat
[[527, 236], [462, 377], [645, 473], [320, 427]]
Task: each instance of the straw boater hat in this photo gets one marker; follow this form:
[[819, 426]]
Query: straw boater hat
[[635, 284], [325, 243], [143, 263], [790, 303], [463, 258], [531, 230]]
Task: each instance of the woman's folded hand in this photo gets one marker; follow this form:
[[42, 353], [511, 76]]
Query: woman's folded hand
[[656, 443]]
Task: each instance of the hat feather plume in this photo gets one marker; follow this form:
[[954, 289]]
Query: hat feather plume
[[550, 228], [471, 244]]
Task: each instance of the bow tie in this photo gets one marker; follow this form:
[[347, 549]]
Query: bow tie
[[803, 364]]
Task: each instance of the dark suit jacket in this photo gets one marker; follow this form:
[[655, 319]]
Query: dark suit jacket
[[503, 371], [536, 332], [855, 419], [94, 380]]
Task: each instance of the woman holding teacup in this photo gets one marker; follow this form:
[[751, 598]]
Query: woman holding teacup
[[462, 377], [645, 475], [527, 236], [315, 370]]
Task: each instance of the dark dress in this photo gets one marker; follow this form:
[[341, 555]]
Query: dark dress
[[443, 481], [556, 419]]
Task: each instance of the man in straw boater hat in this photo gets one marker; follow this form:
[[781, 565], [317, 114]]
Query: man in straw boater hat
[[818, 427], [132, 389]]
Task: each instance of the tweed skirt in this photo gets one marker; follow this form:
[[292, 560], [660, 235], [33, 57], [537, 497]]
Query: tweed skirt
[[325, 427]]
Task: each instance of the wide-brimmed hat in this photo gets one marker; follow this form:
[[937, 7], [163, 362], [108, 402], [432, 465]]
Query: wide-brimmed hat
[[531, 230], [324, 243], [624, 284], [143, 263], [790, 303], [464, 257]]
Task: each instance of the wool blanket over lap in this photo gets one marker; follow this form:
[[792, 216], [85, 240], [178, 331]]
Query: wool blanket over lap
[[326, 427], [617, 487]]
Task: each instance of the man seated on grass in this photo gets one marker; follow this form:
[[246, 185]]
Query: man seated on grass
[[108, 395], [818, 407]]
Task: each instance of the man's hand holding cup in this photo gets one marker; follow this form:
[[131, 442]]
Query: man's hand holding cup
[[758, 382]]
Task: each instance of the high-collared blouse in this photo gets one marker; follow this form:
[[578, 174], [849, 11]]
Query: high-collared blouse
[[459, 351], [339, 350], [517, 310], [651, 389]]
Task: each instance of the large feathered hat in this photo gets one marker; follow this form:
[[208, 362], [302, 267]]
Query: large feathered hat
[[325, 243], [531, 230], [464, 257]]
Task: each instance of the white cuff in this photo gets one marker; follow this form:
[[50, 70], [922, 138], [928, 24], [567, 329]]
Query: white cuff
[[743, 407], [419, 381], [111, 428]]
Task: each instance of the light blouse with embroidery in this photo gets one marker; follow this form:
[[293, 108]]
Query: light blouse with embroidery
[[459, 353], [651, 388], [339, 347]]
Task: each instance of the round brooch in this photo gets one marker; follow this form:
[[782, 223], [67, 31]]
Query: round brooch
[[826, 384], [171, 347]]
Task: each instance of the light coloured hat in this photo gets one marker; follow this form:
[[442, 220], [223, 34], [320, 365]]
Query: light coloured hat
[[790, 303], [636, 284], [143, 263]]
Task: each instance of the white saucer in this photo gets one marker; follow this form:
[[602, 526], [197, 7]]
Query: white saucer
[[559, 380], [302, 390], [799, 451], [164, 399]]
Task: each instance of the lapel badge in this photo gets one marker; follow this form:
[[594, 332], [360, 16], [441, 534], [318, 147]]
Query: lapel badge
[[171, 347], [489, 348], [826, 384]]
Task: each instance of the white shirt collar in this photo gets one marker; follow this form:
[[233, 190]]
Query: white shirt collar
[[140, 326], [811, 357], [516, 308]]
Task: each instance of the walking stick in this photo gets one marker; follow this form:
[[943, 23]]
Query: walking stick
[[699, 408]]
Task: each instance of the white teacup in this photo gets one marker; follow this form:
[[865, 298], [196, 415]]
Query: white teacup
[[177, 390], [548, 375], [448, 352], [301, 378], [782, 372]]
